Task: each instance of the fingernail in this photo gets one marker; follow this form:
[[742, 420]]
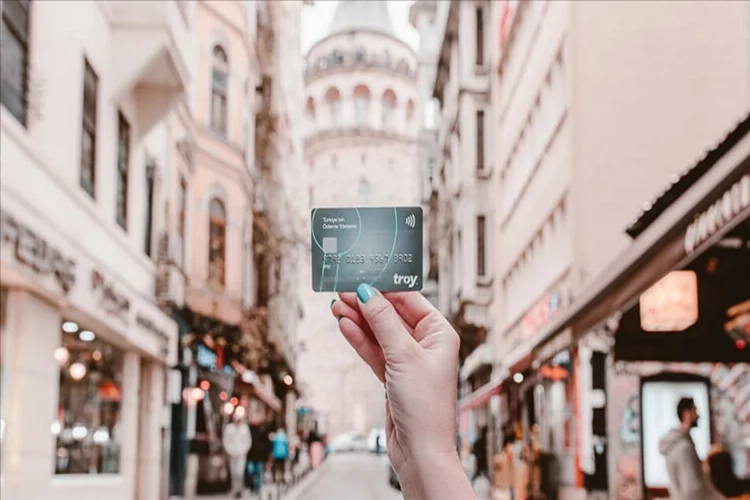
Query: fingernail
[[365, 292], [332, 302]]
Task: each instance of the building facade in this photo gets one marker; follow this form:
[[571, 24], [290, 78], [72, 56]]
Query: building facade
[[583, 123], [85, 347], [361, 126]]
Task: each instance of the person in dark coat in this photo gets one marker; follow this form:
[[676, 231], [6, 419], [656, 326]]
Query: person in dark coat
[[257, 457], [480, 452]]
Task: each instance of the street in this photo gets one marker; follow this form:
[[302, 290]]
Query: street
[[351, 475]]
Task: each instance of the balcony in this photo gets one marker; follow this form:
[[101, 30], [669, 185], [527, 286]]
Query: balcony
[[151, 47]]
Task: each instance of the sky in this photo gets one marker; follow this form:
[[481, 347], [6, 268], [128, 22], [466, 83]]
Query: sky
[[316, 20]]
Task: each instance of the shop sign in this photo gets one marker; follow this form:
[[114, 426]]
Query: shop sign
[[719, 214], [111, 300], [34, 252], [560, 342], [540, 312], [148, 325]]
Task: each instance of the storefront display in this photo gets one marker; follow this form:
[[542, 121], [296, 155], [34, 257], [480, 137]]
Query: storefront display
[[88, 420]]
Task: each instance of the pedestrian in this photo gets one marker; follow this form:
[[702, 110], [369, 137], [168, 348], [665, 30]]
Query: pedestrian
[[480, 452], [315, 445], [413, 351], [280, 450], [237, 442], [687, 479], [258, 455]]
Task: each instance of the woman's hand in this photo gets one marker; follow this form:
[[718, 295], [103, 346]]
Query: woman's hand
[[413, 350]]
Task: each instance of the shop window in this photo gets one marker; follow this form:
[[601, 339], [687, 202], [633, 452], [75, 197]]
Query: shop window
[[88, 422], [217, 244], [219, 90], [14, 57], [88, 129]]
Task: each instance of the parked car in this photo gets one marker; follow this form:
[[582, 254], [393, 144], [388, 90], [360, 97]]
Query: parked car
[[349, 442]]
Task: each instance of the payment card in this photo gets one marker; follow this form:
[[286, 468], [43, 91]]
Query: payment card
[[381, 246]]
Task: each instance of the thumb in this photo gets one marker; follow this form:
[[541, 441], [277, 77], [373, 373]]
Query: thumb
[[385, 323]]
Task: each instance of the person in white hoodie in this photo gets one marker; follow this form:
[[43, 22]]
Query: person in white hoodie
[[687, 479], [237, 442]]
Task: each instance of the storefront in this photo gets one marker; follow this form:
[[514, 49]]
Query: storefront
[[670, 318], [83, 362]]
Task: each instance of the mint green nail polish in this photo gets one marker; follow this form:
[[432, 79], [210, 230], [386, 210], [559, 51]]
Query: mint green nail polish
[[365, 292]]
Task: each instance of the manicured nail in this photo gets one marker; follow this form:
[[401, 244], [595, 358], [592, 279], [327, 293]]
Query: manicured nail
[[365, 292], [332, 302]]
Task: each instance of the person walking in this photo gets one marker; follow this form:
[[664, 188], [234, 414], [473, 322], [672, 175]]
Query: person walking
[[315, 447], [413, 351], [480, 452], [237, 442], [687, 479], [258, 455], [280, 450]]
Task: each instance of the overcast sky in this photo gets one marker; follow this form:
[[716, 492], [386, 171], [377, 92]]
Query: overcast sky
[[316, 21]]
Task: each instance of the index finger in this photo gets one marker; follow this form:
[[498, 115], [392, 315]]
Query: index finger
[[413, 307]]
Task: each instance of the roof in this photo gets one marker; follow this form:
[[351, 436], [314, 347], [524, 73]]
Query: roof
[[354, 15], [681, 182]]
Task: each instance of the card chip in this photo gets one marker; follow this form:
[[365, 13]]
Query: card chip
[[330, 245]]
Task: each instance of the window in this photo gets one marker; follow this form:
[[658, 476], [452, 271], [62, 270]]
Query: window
[[333, 98], [481, 246], [14, 58], [219, 90], [480, 37], [123, 165], [480, 139], [409, 111], [182, 204], [217, 244], [361, 55], [389, 106], [88, 427], [88, 129], [150, 174], [361, 105]]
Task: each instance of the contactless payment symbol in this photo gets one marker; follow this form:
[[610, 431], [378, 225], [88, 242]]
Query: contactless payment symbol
[[411, 221]]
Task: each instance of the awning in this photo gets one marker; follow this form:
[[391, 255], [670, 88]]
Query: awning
[[481, 396], [660, 247], [259, 391]]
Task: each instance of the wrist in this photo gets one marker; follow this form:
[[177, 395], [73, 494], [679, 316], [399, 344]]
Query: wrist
[[434, 475]]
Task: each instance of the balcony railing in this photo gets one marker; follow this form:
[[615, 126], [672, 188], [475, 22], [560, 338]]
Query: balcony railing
[[352, 60]]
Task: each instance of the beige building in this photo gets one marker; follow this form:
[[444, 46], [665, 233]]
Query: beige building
[[586, 122], [85, 347], [359, 150]]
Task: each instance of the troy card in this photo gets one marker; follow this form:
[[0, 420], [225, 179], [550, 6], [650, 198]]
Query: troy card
[[381, 246]]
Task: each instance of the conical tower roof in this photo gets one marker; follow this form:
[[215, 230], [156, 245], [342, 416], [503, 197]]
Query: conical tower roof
[[354, 15]]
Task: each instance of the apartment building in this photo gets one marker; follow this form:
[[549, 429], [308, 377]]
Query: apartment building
[[464, 189], [592, 105], [85, 347], [423, 17]]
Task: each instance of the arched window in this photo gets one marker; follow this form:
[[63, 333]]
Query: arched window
[[387, 59], [388, 108], [361, 55], [219, 89], [310, 108], [333, 98], [409, 111], [361, 105], [217, 248]]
